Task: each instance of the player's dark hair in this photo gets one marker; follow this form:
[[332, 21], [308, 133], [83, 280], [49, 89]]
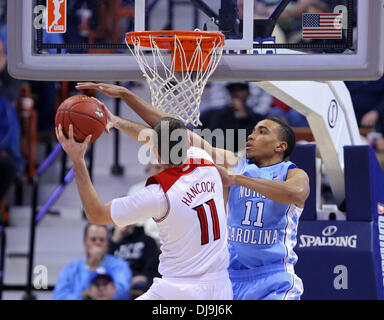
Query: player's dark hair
[[286, 134], [172, 140]]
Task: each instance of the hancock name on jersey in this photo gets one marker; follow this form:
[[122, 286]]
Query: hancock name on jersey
[[246, 193], [205, 186], [252, 236]]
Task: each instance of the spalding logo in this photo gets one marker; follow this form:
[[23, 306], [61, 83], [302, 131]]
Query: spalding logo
[[327, 240], [329, 231]]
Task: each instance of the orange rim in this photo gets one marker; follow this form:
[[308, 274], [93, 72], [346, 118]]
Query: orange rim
[[165, 39]]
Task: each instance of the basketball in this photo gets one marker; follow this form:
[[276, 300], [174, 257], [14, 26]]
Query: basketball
[[86, 116]]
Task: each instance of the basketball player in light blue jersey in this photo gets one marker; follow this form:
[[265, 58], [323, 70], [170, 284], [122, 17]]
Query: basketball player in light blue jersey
[[265, 194], [266, 197]]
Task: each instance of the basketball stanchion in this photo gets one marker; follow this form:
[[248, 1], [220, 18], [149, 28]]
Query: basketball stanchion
[[117, 169], [177, 84]]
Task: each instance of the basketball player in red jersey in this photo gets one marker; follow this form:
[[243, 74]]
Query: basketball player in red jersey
[[185, 199]]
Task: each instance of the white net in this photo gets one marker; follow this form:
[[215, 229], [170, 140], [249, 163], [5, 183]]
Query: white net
[[177, 93]]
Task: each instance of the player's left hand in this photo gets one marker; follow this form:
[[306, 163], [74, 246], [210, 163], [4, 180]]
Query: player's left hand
[[111, 118], [75, 150], [227, 176]]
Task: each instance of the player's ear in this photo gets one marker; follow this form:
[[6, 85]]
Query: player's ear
[[281, 146]]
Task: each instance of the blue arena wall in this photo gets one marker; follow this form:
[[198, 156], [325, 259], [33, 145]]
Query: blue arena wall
[[344, 259]]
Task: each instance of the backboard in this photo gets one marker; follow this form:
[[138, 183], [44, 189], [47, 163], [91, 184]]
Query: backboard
[[328, 40]]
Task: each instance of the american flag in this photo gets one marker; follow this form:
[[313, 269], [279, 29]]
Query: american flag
[[322, 26]]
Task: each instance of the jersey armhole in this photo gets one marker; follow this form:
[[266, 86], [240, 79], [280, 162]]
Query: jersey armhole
[[155, 180], [292, 166], [166, 213]]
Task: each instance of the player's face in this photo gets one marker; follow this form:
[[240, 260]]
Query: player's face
[[263, 142]]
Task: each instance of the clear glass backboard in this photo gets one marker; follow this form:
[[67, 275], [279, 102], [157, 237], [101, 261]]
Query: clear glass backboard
[[75, 40]]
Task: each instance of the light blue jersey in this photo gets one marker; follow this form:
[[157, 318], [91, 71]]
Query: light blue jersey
[[262, 234]]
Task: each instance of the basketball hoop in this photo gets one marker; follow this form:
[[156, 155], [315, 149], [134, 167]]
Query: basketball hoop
[[177, 85]]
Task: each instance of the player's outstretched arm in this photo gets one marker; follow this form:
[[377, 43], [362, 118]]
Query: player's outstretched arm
[[146, 111], [135, 130], [152, 115], [96, 211], [294, 190]]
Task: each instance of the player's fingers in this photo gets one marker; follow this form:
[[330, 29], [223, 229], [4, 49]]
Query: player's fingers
[[108, 128], [105, 108], [86, 84], [60, 135], [88, 139], [70, 133], [60, 131], [57, 134], [97, 100]]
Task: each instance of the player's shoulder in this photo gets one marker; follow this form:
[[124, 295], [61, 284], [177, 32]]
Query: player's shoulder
[[198, 153], [294, 171]]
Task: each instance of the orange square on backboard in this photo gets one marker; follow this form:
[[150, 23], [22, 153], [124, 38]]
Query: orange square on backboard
[[56, 16]]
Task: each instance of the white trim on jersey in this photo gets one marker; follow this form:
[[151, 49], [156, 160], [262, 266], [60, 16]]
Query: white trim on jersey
[[291, 226]]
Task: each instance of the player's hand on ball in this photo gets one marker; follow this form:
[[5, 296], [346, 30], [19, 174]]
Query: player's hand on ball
[[111, 118], [75, 150], [110, 90]]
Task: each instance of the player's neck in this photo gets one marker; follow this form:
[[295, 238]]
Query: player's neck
[[267, 162], [172, 166]]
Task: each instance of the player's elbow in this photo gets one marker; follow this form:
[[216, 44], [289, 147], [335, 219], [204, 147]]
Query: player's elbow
[[94, 219], [299, 195], [100, 215]]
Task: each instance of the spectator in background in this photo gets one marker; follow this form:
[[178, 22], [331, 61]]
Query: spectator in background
[[218, 96], [11, 161], [140, 251], [291, 116], [102, 286], [368, 99], [376, 137], [237, 115], [75, 279]]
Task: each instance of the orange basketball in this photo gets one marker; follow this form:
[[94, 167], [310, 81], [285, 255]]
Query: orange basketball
[[86, 116]]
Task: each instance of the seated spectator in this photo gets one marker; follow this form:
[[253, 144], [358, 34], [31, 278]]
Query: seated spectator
[[75, 279], [102, 286], [376, 137], [217, 96], [141, 253], [292, 117], [368, 100], [236, 115]]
